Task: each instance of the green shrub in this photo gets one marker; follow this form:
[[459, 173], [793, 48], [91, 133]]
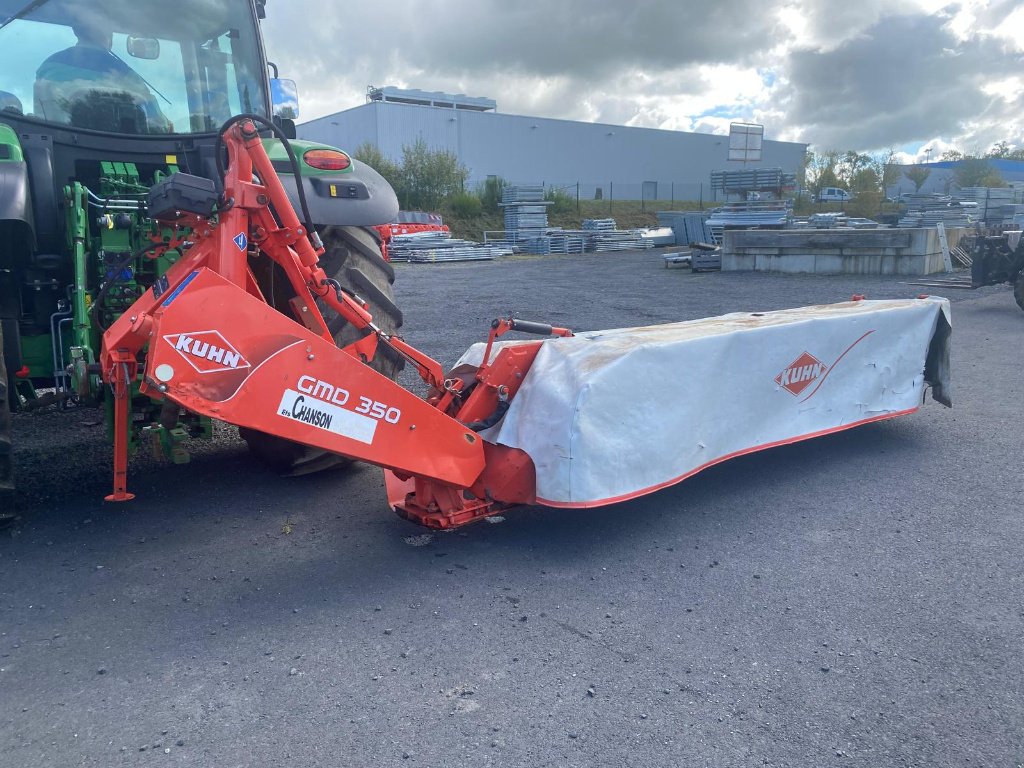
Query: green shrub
[[563, 202], [490, 193], [865, 204], [373, 157], [465, 205], [428, 177]]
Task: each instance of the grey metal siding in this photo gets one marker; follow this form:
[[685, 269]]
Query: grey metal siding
[[521, 149], [400, 125], [345, 130]]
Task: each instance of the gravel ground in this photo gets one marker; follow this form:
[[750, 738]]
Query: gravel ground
[[854, 600]]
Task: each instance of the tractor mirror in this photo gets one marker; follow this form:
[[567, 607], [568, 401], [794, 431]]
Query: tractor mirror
[[144, 47], [285, 98]]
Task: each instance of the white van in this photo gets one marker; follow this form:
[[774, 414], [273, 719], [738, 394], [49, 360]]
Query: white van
[[834, 195]]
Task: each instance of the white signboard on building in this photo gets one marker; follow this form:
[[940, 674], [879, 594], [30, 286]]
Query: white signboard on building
[[745, 141]]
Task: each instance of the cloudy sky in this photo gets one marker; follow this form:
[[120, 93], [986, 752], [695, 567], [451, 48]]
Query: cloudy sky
[[907, 74]]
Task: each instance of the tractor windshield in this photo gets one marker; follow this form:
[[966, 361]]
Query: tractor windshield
[[131, 66]]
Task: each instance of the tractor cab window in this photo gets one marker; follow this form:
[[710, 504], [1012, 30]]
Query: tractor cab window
[[131, 66]]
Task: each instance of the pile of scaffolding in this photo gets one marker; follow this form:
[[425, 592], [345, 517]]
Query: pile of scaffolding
[[428, 247], [527, 231], [929, 210], [603, 236], [832, 220], [526, 217], [688, 226], [565, 241], [750, 214], [751, 180], [525, 207], [996, 206]]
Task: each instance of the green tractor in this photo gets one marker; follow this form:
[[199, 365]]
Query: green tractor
[[100, 101], [999, 258]]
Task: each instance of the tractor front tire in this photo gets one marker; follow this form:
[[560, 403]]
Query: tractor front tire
[[6, 455], [352, 256], [1018, 290]]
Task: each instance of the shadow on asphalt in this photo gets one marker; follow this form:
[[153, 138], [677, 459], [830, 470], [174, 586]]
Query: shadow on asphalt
[[345, 548]]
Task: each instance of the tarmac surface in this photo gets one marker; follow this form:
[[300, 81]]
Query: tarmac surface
[[852, 600]]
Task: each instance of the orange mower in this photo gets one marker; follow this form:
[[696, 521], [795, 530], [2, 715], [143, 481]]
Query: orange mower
[[570, 421]]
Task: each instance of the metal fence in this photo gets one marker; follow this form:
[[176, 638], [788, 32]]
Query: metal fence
[[649, 191]]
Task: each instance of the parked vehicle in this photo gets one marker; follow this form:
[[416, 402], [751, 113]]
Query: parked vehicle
[[834, 195], [999, 259]]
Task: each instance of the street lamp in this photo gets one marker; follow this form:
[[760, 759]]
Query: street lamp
[[928, 155]]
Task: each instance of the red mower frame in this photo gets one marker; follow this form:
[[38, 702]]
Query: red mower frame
[[205, 338]]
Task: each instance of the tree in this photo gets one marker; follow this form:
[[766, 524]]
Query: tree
[[423, 179], [999, 150], [851, 165], [951, 156], [918, 174], [890, 170], [373, 157], [819, 170], [428, 176], [865, 180], [994, 179], [803, 174], [977, 172]]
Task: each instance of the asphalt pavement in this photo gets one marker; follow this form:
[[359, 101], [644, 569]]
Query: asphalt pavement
[[852, 600]]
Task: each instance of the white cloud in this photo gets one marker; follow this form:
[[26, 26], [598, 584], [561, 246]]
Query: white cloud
[[863, 76]]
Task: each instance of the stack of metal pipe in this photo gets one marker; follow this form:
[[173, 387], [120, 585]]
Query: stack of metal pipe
[[423, 247]]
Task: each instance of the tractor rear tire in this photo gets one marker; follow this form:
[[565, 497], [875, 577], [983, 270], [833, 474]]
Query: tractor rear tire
[[6, 454], [1018, 290], [352, 256]]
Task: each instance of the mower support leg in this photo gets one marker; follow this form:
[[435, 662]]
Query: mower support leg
[[121, 386]]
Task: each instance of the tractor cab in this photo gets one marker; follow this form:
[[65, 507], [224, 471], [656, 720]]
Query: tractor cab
[[105, 93], [133, 67]]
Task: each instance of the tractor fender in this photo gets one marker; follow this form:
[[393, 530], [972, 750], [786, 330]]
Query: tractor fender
[[16, 203], [18, 237], [360, 197], [15, 197]]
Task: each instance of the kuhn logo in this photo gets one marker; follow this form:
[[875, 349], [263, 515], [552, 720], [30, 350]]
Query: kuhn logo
[[207, 351], [807, 370], [801, 373]]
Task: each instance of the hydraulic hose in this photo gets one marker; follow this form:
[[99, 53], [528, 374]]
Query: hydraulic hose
[[117, 271], [279, 134]]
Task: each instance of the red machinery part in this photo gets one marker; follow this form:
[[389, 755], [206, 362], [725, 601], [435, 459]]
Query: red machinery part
[[387, 231], [215, 347]]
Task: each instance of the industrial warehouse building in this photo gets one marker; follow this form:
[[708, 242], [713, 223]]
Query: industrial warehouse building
[[606, 161], [941, 177]]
